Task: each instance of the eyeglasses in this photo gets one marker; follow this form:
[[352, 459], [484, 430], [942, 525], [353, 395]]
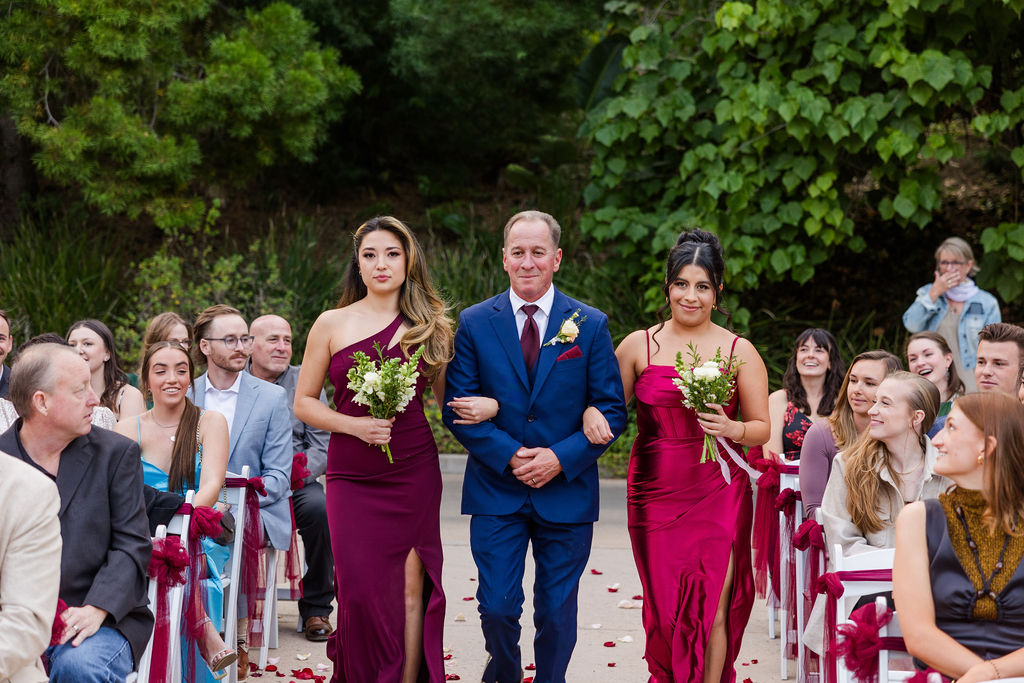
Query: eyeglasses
[[947, 264], [184, 343], [232, 341]]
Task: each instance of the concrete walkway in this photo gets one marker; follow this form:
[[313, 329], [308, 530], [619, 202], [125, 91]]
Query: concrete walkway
[[602, 616]]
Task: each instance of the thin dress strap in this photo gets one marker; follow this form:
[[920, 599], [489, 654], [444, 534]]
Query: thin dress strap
[[648, 333], [138, 422], [389, 331], [732, 349]]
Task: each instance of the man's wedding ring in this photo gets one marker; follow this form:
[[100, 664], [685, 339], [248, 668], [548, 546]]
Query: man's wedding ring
[[533, 481]]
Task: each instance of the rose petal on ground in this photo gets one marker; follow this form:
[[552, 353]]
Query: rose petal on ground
[[530, 667], [271, 667], [626, 604], [452, 677], [253, 666], [747, 680], [638, 597], [610, 664], [273, 660], [460, 617], [448, 656], [595, 626], [472, 579], [614, 588], [609, 643], [595, 572], [304, 657], [626, 639], [279, 674], [468, 598], [322, 667], [528, 679], [753, 661]]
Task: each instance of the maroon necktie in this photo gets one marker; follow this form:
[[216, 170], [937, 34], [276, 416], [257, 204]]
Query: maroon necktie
[[530, 341]]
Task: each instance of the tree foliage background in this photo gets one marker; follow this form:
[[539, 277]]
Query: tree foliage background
[[783, 125]]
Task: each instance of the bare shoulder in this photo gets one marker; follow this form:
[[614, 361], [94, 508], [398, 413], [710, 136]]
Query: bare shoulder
[[634, 341], [777, 398], [912, 517], [211, 419]]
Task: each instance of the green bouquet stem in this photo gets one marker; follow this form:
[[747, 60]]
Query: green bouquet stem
[[707, 454]]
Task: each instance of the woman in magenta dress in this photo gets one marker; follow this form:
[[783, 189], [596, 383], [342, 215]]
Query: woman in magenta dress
[[384, 518], [689, 527]]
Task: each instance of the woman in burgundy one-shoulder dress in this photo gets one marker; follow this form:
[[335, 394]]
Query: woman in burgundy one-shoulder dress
[[384, 517], [689, 527]]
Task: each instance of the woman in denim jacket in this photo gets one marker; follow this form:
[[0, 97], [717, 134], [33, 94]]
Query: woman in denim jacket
[[954, 307]]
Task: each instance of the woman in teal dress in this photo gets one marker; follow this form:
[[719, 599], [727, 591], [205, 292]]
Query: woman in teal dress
[[184, 448]]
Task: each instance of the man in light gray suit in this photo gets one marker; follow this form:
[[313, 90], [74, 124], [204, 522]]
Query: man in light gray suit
[[258, 412]]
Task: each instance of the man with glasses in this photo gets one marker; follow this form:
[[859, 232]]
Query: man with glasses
[[260, 419]]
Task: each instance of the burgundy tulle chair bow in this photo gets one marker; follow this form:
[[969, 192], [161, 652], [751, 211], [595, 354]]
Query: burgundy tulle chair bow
[[204, 522], [59, 625], [810, 537], [292, 561], [252, 582], [831, 586], [766, 521], [168, 567], [861, 643]]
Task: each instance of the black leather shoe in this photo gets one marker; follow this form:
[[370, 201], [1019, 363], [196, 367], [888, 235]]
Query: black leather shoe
[[318, 629]]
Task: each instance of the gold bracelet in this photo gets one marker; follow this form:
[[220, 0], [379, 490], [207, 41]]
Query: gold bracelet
[[995, 668]]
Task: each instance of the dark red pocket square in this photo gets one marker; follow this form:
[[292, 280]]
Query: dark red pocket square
[[574, 352]]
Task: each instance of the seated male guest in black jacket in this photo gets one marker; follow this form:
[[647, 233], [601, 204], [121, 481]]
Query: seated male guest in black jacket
[[102, 515]]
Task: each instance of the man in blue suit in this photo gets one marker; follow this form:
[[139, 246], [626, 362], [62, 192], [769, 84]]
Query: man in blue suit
[[259, 415], [531, 476]]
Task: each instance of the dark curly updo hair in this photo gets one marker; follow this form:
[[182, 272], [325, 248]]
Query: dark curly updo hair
[[695, 248]]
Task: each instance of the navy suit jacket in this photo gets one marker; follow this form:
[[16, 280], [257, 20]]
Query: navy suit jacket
[[261, 437], [545, 413]]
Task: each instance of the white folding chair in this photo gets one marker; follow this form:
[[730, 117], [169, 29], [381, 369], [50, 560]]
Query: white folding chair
[[235, 497], [270, 608], [178, 526], [789, 638], [852, 590], [890, 630]]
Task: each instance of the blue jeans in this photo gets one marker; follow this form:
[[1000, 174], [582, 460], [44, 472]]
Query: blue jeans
[[103, 657]]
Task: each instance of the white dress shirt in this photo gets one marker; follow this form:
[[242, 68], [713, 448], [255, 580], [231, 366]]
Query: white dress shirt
[[223, 401], [541, 316]]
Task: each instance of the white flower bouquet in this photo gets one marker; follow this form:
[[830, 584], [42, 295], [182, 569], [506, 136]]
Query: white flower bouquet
[[712, 381], [385, 387]]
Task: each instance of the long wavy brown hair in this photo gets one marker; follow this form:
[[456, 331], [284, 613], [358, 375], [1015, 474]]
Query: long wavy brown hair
[[1000, 416], [181, 475], [866, 458], [794, 386], [424, 310], [844, 429]]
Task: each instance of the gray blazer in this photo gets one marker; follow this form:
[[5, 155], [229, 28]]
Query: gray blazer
[[104, 528], [261, 437]]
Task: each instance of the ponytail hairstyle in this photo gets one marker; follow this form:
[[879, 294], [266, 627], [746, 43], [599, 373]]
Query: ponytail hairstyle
[[697, 248], [844, 429], [867, 456], [113, 376], [421, 306], [181, 475], [791, 382], [954, 384], [1000, 416]]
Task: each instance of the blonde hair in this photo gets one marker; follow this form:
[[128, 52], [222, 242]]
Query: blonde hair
[[424, 310], [866, 458], [959, 247], [844, 429]]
